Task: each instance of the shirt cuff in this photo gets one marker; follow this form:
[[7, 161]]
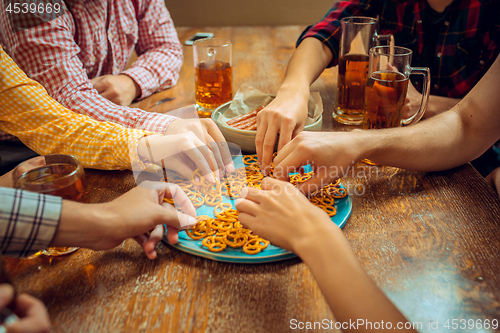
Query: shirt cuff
[[28, 221], [138, 164], [158, 123], [144, 79]]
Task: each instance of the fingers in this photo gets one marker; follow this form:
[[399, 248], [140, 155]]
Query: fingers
[[172, 191], [184, 169], [181, 200], [185, 221], [149, 242], [201, 156], [251, 193], [268, 147], [247, 206], [286, 132], [288, 160], [172, 235], [493, 179], [99, 84], [6, 294], [270, 184], [154, 238], [214, 148], [249, 221], [260, 135], [35, 318], [216, 136]]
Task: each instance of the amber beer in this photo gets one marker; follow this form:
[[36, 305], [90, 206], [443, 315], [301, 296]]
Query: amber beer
[[353, 72], [384, 100], [385, 93], [213, 84], [60, 175], [213, 74], [50, 174]]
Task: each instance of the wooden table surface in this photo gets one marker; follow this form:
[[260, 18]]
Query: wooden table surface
[[429, 240]]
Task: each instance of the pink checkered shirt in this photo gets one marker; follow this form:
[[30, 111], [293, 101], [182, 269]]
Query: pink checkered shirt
[[93, 38]]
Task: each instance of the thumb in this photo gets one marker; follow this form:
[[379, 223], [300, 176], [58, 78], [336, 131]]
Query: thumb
[[173, 218], [269, 184]]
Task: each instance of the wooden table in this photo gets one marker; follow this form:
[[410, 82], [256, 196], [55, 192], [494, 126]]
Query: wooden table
[[429, 240]]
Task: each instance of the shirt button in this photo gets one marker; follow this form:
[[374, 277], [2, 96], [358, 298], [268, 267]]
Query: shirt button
[[481, 62], [446, 23], [111, 35], [419, 21], [438, 55], [93, 59], [436, 86]]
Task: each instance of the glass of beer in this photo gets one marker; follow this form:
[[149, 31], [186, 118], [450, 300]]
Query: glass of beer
[[385, 94], [59, 175], [359, 35], [213, 74]]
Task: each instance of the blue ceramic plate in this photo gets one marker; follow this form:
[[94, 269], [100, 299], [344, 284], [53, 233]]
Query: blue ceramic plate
[[270, 254]]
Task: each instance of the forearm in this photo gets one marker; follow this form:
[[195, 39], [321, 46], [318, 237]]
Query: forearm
[[63, 75], [349, 291], [445, 141], [427, 146], [306, 65], [6, 180], [159, 49], [77, 224]]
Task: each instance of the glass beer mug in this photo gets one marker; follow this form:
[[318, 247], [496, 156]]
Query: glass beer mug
[[60, 175], [359, 35], [386, 87]]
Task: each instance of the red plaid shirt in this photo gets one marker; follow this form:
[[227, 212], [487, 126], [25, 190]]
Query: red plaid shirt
[[93, 38], [467, 45]]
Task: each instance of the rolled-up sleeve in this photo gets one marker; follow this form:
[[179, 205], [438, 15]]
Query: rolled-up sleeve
[[28, 221]]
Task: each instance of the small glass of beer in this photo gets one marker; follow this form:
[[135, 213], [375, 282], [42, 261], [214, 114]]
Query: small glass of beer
[[59, 175], [213, 74], [385, 94], [359, 35]]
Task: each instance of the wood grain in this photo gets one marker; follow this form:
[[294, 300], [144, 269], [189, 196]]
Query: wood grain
[[429, 240]]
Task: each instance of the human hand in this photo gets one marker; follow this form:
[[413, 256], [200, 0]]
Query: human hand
[[206, 133], [281, 214], [132, 215], [331, 155], [286, 115], [120, 89], [6, 180], [32, 314], [412, 102], [493, 179]]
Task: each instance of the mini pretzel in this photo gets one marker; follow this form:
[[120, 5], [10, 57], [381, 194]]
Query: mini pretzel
[[214, 244], [213, 200], [222, 207], [196, 198], [235, 240], [249, 159], [255, 245]]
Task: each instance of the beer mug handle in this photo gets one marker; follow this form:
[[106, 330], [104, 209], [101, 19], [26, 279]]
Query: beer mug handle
[[384, 38], [425, 94]]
